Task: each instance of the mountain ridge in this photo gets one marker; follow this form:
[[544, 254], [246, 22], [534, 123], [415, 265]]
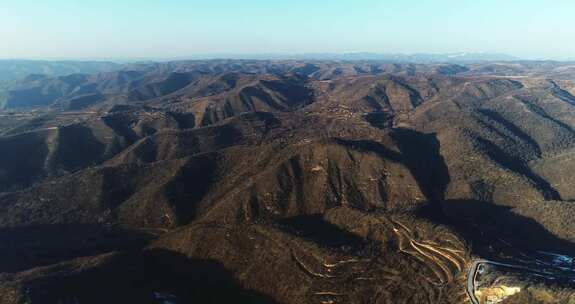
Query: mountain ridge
[[349, 181]]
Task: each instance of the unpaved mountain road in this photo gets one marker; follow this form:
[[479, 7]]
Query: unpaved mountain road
[[472, 274], [476, 264]]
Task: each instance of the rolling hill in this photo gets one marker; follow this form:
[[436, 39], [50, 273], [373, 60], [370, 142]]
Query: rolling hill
[[345, 182]]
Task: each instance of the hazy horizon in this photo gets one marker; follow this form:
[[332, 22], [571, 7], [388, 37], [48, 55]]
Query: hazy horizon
[[259, 56], [164, 30]]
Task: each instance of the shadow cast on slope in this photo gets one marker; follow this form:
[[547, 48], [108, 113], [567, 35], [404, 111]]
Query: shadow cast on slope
[[153, 276], [321, 232], [37, 245], [496, 231], [381, 119], [516, 165], [419, 153], [18, 172], [422, 157]]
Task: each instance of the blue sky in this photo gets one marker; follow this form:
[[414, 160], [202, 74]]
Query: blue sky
[[179, 28]]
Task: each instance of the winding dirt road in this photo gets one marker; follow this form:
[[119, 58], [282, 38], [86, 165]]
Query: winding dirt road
[[474, 268]]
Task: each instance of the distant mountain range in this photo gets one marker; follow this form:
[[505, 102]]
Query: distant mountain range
[[16, 69], [400, 58], [138, 82]]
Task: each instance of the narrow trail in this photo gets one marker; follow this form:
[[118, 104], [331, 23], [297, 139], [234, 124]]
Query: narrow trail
[[440, 264], [444, 262]]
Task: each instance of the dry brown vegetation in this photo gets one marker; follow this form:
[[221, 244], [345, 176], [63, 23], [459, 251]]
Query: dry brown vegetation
[[288, 182]]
